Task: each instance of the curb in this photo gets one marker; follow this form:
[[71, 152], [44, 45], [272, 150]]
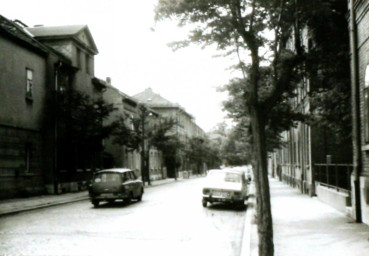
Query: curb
[[41, 206], [65, 201], [249, 245]]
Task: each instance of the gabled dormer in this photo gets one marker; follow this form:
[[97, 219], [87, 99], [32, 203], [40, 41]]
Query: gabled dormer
[[74, 41]]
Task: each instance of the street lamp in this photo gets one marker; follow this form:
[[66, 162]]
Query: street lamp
[[144, 145]]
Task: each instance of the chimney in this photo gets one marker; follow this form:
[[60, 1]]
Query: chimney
[[108, 80]]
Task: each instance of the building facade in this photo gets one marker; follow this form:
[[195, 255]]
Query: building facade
[[72, 166], [128, 109], [23, 89], [29, 74], [359, 35], [185, 127], [313, 159]]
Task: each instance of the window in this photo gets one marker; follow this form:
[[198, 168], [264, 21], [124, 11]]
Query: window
[[132, 175], [78, 57], [88, 68], [29, 84], [27, 158], [366, 104]]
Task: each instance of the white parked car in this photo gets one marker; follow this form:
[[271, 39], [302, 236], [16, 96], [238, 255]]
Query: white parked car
[[225, 186]]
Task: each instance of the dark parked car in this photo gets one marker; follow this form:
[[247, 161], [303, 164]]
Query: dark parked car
[[115, 184]]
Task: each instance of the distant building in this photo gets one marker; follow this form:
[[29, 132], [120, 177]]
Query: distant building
[[186, 126], [127, 109]]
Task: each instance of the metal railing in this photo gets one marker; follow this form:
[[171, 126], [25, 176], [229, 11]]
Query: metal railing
[[336, 176]]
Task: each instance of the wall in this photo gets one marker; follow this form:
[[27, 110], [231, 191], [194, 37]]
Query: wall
[[21, 120], [336, 199], [362, 21]]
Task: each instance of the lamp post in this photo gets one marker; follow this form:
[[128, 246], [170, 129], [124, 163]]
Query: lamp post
[[144, 146]]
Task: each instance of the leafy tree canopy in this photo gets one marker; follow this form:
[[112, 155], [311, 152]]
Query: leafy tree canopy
[[83, 118]]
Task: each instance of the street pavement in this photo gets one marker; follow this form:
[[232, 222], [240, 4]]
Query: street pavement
[[170, 220], [304, 226]]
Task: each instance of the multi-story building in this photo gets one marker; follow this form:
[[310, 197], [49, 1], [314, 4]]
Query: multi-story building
[[185, 127], [73, 166], [312, 158], [29, 74], [128, 109], [359, 35]]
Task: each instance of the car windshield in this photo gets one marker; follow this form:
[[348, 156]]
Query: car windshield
[[225, 176], [107, 177]]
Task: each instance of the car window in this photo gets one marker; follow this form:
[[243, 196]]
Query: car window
[[232, 177], [106, 177], [125, 176], [133, 176], [226, 176]]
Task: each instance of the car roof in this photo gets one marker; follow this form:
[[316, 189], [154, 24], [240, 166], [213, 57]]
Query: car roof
[[118, 170], [226, 170]]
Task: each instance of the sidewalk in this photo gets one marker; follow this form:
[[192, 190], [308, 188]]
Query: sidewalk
[[304, 226], [12, 206]]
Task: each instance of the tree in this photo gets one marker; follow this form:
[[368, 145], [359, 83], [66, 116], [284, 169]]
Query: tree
[[196, 152], [147, 130], [328, 68], [242, 25], [164, 139], [237, 148], [82, 120]]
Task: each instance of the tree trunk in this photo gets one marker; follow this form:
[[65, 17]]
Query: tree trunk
[[263, 207]]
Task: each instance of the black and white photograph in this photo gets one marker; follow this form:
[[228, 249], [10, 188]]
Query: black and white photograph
[[184, 127]]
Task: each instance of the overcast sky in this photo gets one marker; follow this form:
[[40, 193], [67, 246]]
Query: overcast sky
[[133, 51]]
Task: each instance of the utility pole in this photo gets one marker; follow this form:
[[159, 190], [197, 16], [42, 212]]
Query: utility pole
[[143, 174], [144, 148]]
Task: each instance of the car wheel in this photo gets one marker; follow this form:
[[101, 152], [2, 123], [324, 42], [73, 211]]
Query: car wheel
[[95, 203], [128, 199], [204, 203], [242, 205], [139, 198]]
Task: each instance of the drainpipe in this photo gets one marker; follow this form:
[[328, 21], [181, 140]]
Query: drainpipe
[[57, 67], [355, 101]]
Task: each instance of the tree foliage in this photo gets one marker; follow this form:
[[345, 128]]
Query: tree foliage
[[83, 119], [272, 68]]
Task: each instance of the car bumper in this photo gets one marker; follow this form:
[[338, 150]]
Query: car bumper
[[108, 197], [213, 199]]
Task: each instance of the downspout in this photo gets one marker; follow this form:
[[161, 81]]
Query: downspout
[[355, 101], [56, 144]]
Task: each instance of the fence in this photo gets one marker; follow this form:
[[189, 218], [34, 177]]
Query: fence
[[335, 176]]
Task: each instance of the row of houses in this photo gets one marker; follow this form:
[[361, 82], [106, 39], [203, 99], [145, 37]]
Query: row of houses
[[312, 160], [38, 66]]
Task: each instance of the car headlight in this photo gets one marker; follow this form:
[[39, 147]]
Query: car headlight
[[237, 194]]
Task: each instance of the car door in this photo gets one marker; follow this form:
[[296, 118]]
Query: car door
[[130, 183], [135, 184]]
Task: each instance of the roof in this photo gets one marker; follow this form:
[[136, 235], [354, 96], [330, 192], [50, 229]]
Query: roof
[[153, 99], [64, 32], [119, 170], [128, 99], [41, 31], [19, 34]]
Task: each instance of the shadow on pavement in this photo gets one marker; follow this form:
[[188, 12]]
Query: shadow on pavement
[[226, 207], [116, 204]]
